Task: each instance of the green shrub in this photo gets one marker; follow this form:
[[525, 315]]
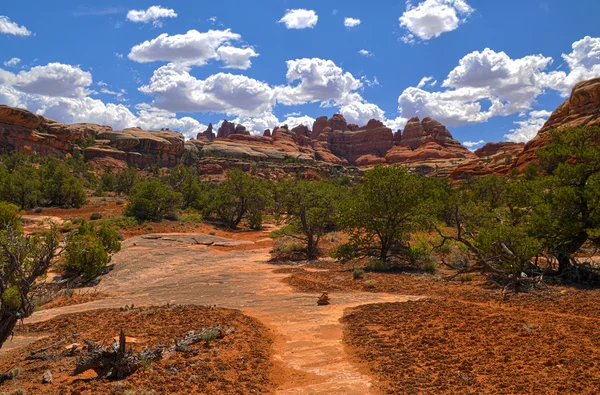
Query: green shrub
[[357, 274], [377, 265], [12, 297], [193, 218], [429, 267], [85, 255], [466, 278], [152, 200], [9, 216], [370, 284], [287, 245], [95, 216]]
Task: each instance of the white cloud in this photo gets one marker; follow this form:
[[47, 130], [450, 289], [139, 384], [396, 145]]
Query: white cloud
[[9, 27], [236, 58], [89, 110], [53, 79], [351, 22], [583, 62], [174, 89], [427, 81], [483, 85], [528, 128], [364, 52], [431, 18], [299, 19], [12, 62], [193, 47], [152, 14], [370, 83], [472, 145], [360, 113], [320, 81]]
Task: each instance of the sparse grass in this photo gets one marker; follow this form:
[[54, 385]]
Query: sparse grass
[[191, 218], [287, 245], [370, 284], [466, 278], [429, 267], [357, 274]]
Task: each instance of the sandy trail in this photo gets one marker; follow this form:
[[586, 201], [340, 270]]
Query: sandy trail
[[176, 269]]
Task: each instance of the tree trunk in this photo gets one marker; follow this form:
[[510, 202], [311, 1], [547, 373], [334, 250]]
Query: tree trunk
[[564, 262], [7, 325], [310, 249]]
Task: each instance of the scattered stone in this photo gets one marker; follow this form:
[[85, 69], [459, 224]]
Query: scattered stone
[[323, 299], [47, 378]]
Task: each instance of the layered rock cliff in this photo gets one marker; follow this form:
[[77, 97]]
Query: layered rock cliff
[[582, 108], [332, 140]]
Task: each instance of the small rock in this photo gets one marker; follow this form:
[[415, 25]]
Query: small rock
[[323, 299], [173, 371], [47, 378]]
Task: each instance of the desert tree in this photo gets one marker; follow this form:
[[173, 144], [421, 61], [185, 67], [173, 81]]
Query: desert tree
[[491, 218], [384, 209], [152, 200], [240, 196], [567, 214], [309, 210], [23, 260]]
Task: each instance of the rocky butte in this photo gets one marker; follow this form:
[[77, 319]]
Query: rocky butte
[[426, 145]]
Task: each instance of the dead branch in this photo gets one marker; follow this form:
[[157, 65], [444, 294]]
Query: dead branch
[[117, 362], [53, 345]]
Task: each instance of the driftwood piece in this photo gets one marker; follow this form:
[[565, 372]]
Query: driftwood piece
[[117, 362]]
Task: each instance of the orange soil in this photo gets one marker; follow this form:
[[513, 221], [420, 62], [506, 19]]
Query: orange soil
[[239, 363], [72, 300], [540, 342]]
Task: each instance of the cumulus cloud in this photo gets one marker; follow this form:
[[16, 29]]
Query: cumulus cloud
[[432, 18], [360, 113], [53, 79], [320, 80], [528, 129], [153, 14], [192, 48], [59, 91], [487, 83], [9, 27], [583, 63], [236, 58], [351, 22], [12, 62], [175, 89], [299, 19], [364, 52]]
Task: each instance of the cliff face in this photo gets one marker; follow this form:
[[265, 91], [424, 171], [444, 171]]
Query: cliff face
[[23, 130], [582, 108], [331, 140]]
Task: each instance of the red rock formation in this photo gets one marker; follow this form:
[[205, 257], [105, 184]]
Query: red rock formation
[[267, 133], [318, 126], [425, 140], [505, 148], [208, 134], [226, 129], [582, 108]]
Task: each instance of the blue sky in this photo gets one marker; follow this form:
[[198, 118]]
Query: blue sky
[[490, 70]]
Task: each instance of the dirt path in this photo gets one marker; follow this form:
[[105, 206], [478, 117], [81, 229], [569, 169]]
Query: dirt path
[[155, 270]]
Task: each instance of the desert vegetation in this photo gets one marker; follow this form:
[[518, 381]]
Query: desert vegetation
[[521, 232]]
